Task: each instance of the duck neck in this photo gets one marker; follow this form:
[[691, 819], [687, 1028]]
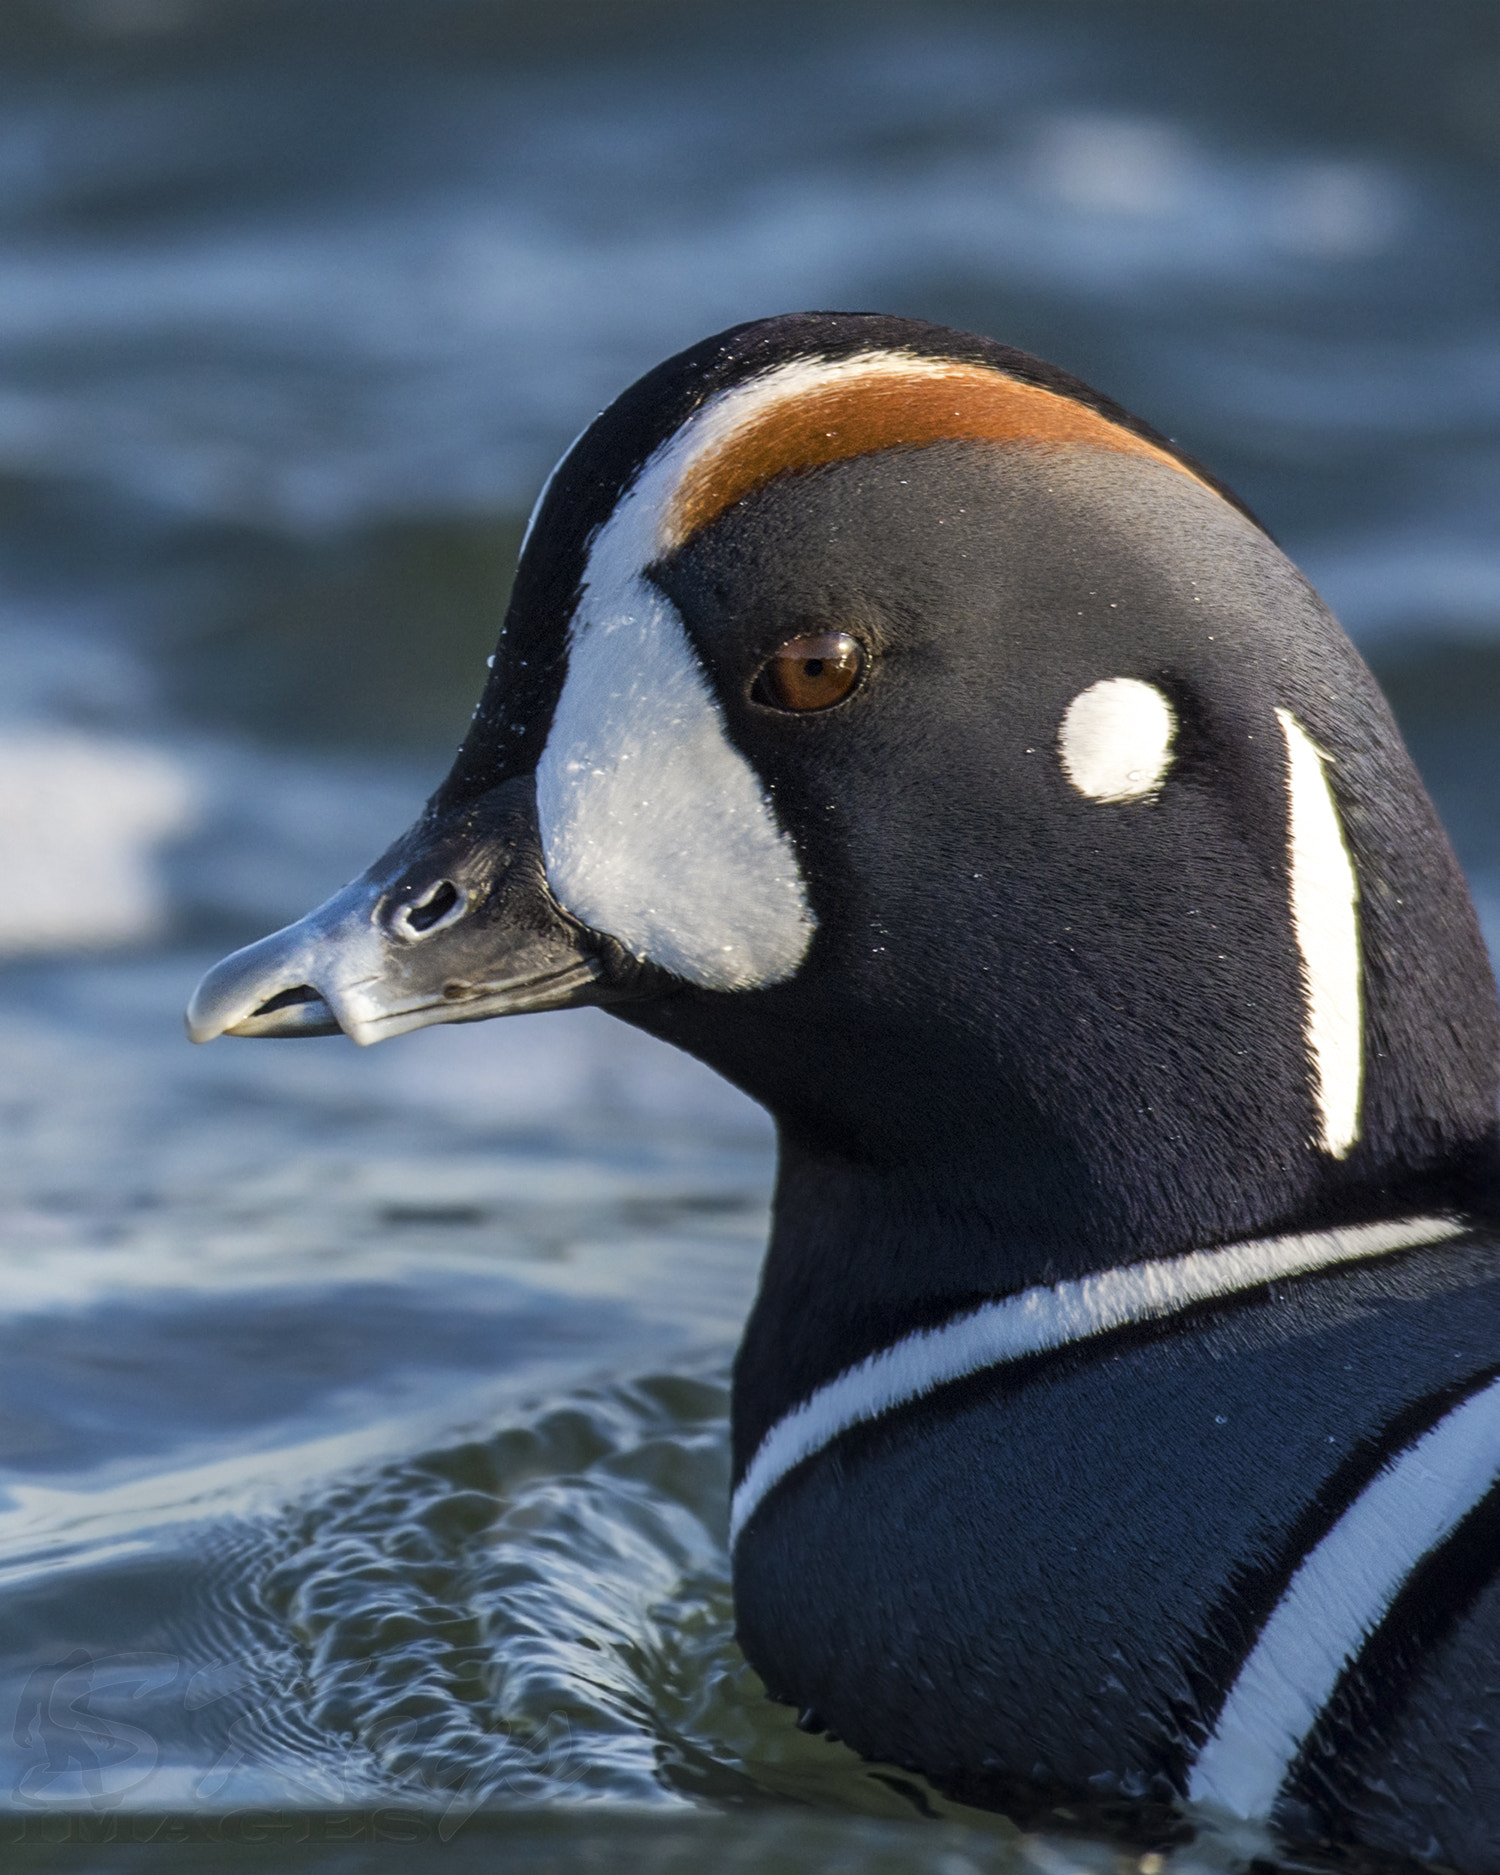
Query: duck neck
[[861, 1257]]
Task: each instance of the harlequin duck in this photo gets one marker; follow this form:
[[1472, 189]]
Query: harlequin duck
[[906, 730]]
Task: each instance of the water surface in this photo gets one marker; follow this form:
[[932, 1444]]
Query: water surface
[[362, 1416]]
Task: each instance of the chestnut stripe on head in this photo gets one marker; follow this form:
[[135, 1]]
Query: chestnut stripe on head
[[814, 412], [655, 827]]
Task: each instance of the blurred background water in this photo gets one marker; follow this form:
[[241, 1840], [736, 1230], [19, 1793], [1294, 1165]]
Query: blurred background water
[[361, 1419]]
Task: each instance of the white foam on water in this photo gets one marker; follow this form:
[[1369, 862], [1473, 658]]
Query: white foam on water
[[81, 821], [475, 317]]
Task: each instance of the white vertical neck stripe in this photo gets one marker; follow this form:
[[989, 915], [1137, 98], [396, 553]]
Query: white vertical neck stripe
[[1325, 916], [1336, 1600], [1038, 1320]]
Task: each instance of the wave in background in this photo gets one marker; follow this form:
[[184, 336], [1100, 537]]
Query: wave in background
[[338, 1449]]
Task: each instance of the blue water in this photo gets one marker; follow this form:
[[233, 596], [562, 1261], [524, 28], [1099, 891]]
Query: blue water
[[362, 1439]]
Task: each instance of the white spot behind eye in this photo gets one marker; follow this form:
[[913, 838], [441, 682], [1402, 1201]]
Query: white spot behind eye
[[1116, 739], [1325, 916]]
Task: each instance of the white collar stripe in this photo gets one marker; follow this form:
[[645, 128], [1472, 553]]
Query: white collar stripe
[[1338, 1597], [1039, 1320]]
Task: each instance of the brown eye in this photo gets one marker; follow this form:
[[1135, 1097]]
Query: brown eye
[[811, 673]]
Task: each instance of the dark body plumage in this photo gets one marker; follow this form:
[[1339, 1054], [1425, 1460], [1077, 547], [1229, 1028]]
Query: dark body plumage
[[1039, 1586], [1037, 1036]]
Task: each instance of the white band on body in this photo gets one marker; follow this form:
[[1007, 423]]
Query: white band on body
[[1038, 1320], [1337, 1599]]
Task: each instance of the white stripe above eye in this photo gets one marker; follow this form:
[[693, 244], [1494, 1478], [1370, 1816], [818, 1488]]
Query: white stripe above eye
[[1325, 917], [1336, 1600], [728, 412], [655, 828], [546, 489], [1037, 1320]]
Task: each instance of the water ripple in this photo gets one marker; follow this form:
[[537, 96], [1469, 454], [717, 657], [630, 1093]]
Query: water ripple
[[545, 1615]]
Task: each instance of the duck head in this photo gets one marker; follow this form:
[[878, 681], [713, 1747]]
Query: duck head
[[922, 741]]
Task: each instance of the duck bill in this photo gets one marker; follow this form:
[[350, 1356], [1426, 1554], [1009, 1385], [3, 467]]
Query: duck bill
[[454, 923]]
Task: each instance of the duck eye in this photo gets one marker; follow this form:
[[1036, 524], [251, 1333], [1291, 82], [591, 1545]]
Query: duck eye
[[811, 673]]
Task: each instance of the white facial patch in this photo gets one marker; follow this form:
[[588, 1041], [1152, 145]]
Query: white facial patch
[[1116, 739], [1325, 916], [654, 827]]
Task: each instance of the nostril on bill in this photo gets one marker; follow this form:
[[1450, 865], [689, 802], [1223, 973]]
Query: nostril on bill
[[432, 908]]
